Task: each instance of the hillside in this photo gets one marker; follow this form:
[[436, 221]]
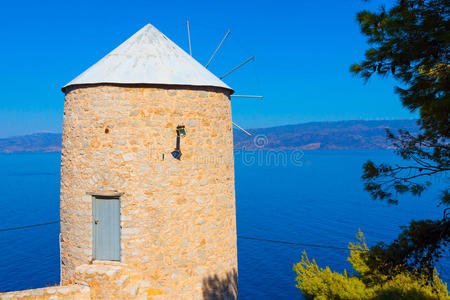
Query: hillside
[[36, 142], [323, 135], [306, 136]]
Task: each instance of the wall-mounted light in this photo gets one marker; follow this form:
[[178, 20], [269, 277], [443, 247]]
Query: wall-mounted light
[[181, 131]]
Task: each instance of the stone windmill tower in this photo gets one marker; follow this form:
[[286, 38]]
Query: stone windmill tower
[[147, 175]]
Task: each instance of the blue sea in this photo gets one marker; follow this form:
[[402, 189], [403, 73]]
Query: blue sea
[[310, 197]]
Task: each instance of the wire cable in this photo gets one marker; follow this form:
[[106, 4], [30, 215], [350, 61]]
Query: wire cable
[[29, 226], [239, 237], [291, 243]]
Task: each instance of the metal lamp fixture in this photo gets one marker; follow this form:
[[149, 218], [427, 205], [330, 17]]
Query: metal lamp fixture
[[181, 131]]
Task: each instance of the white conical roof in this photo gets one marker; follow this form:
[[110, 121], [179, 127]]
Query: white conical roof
[[148, 57]]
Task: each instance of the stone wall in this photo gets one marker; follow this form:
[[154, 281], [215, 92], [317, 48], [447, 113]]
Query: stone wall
[[177, 216], [69, 292]]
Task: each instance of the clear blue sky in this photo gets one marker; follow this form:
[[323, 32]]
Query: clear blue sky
[[303, 52]]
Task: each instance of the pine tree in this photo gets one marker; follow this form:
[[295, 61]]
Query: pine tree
[[410, 42]]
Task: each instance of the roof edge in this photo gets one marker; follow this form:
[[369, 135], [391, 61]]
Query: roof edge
[[160, 85]]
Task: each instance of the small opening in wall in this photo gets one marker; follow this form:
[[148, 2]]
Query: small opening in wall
[[106, 130]]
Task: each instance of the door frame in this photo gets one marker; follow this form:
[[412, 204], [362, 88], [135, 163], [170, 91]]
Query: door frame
[[105, 197]]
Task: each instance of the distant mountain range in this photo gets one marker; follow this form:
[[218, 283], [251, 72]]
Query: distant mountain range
[[36, 142], [323, 135], [306, 136]]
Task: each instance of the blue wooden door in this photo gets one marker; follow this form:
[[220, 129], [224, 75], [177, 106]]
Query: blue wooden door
[[106, 219]]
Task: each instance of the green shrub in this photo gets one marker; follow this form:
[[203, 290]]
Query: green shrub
[[322, 283]]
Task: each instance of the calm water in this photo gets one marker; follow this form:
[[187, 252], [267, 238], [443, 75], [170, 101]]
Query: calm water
[[317, 199]]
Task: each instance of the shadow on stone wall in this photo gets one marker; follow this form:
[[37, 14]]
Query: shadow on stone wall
[[225, 288]]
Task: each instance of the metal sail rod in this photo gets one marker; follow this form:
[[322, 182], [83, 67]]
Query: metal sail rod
[[248, 133], [189, 37], [217, 49], [247, 96], [235, 68]]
